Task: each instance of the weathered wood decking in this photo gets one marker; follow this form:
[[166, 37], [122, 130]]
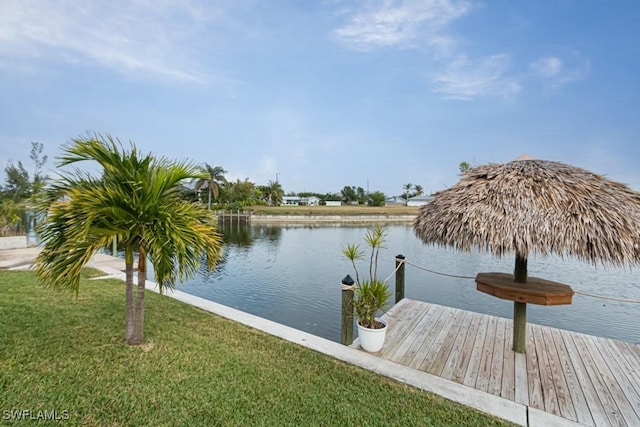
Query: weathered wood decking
[[591, 380]]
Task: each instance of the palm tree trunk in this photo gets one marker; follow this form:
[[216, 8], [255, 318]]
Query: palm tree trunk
[[209, 203], [130, 312], [138, 330]]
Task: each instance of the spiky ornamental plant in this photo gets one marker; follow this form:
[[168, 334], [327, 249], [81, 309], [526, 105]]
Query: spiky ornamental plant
[[136, 199], [372, 294]]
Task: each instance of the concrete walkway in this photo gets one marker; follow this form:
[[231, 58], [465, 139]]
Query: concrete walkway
[[485, 402], [18, 258]]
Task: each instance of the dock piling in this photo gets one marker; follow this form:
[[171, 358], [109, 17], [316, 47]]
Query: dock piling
[[348, 286], [399, 277]]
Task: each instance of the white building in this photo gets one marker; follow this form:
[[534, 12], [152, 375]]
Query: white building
[[300, 201], [419, 200]]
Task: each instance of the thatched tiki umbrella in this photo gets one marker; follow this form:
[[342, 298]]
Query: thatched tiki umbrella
[[534, 206]]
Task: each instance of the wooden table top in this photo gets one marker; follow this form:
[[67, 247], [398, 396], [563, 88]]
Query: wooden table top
[[534, 291]]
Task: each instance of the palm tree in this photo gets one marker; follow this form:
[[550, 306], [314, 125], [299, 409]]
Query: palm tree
[[137, 201], [419, 190], [214, 178], [407, 188], [274, 193]]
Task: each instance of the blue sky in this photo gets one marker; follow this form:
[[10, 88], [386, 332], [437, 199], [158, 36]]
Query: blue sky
[[328, 93]]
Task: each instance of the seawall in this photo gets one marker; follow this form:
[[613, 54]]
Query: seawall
[[336, 219]]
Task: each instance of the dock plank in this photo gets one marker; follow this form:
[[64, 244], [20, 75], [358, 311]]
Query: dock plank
[[579, 402], [414, 339], [402, 323], [521, 391], [497, 361], [435, 361], [484, 374], [564, 400], [549, 396], [620, 370], [596, 408], [508, 387], [462, 364], [533, 372], [458, 345], [594, 381], [471, 373], [440, 327], [610, 379], [601, 390]]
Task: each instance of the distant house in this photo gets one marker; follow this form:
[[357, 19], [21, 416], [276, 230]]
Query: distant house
[[333, 203], [291, 200], [394, 201], [419, 200], [311, 201], [300, 201]]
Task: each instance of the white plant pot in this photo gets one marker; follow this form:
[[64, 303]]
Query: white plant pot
[[372, 340]]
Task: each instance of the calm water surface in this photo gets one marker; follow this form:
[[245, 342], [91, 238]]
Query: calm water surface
[[291, 274]]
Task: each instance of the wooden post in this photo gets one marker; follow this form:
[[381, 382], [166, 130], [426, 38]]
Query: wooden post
[[519, 327], [348, 286], [399, 277], [520, 308]]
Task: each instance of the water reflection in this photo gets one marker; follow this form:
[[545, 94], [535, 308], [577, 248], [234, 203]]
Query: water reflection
[[291, 274], [240, 234]]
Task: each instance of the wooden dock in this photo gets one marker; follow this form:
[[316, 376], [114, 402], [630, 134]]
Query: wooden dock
[[590, 380], [231, 217]]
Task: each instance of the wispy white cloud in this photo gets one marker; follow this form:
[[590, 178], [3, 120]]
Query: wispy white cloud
[[455, 73], [464, 79], [427, 24], [547, 67], [408, 23], [560, 70], [141, 38]]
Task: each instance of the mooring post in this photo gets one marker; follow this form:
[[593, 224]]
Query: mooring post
[[348, 286], [399, 277], [520, 308]]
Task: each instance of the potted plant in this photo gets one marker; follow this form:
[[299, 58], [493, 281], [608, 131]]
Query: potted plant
[[372, 294]]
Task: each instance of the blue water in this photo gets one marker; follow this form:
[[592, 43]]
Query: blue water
[[291, 274]]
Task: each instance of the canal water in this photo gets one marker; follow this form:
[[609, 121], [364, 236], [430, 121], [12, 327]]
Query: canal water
[[291, 274]]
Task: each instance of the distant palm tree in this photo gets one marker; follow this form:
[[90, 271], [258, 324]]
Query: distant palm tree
[[214, 178], [274, 193], [419, 190], [137, 201], [407, 188]]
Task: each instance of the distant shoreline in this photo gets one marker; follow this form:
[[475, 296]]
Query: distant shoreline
[[322, 219]]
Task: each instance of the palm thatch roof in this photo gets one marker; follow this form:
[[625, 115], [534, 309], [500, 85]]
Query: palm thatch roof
[[536, 206]]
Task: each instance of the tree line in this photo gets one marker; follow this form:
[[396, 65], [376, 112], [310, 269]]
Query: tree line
[[214, 190]]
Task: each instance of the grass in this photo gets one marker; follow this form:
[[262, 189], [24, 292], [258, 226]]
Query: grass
[[195, 368], [334, 210]]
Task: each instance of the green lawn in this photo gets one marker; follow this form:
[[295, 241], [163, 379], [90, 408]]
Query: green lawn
[[194, 369]]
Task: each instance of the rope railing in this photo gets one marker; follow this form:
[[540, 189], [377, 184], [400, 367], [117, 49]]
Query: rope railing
[[394, 271], [456, 276], [437, 272], [586, 294]]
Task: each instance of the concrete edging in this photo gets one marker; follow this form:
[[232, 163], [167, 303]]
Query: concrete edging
[[14, 242]]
